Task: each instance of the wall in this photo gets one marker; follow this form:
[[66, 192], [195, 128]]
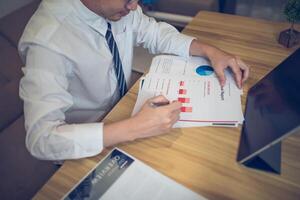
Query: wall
[[262, 9]]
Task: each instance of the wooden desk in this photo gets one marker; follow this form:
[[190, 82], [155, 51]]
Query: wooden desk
[[204, 159]]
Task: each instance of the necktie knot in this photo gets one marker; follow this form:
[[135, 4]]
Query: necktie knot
[[108, 26]]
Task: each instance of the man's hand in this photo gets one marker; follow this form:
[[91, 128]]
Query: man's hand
[[151, 120], [155, 120], [220, 60]]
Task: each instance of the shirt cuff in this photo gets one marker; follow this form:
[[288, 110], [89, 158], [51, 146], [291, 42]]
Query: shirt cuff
[[87, 138], [184, 44]]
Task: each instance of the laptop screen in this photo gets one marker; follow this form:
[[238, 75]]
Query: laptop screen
[[272, 108]]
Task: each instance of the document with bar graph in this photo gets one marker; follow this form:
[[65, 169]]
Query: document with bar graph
[[193, 82]]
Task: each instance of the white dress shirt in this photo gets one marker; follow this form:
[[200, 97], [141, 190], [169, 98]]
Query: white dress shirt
[[69, 80]]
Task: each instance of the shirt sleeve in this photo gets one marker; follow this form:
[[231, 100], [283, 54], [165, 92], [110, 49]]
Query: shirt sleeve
[[44, 89], [159, 37]]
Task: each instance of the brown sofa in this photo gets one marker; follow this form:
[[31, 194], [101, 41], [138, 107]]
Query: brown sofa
[[21, 175]]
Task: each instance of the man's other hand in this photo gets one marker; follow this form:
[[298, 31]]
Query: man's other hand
[[220, 60]]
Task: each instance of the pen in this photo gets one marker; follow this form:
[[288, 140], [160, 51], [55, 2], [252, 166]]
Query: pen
[[157, 104]]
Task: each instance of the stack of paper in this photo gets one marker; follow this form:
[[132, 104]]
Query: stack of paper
[[193, 82]]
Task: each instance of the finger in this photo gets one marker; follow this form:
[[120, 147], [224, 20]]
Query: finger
[[245, 69], [175, 105], [175, 118], [158, 99], [176, 112], [237, 72], [221, 76]]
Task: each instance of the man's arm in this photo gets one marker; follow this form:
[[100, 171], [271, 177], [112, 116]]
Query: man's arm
[[49, 137], [158, 37], [163, 38], [46, 99]]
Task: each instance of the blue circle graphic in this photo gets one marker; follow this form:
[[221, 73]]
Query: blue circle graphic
[[204, 70]]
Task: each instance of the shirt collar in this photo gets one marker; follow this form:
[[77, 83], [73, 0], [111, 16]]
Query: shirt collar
[[92, 19]]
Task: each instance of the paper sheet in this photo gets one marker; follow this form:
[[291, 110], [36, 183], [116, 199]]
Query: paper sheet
[[121, 176], [204, 101]]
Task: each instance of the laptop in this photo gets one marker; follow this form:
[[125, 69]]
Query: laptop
[[272, 114]]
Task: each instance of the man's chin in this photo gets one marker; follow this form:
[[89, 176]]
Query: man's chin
[[117, 17]]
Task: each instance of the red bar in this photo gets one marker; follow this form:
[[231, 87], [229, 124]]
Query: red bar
[[184, 100], [181, 83], [186, 109], [182, 91]]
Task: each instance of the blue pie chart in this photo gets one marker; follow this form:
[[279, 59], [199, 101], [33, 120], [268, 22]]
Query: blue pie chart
[[204, 70]]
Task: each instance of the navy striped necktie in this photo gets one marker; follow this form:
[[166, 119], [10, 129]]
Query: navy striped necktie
[[117, 61]]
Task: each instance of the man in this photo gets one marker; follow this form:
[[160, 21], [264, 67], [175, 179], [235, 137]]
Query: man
[[78, 57]]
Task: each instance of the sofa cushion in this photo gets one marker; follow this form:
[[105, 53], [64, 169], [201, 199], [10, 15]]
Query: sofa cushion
[[10, 62], [10, 73], [3, 79], [11, 106], [21, 174], [12, 25]]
